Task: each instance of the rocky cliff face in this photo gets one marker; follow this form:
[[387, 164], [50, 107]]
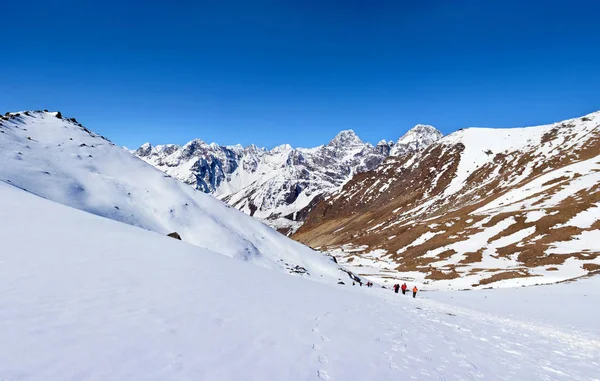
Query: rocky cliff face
[[204, 166], [478, 207], [279, 186]]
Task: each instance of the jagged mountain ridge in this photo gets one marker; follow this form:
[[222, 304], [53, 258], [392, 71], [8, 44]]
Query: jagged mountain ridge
[[475, 208], [278, 186]]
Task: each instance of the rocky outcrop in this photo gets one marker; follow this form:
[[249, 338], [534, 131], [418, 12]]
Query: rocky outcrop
[[174, 235]]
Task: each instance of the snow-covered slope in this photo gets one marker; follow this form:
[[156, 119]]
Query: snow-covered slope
[[281, 185], [60, 160], [481, 207], [86, 298]]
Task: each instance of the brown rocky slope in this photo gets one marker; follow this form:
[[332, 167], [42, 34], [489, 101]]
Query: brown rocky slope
[[481, 207]]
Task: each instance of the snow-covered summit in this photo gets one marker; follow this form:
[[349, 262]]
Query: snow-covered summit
[[59, 159], [416, 139], [346, 139], [282, 148], [144, 149]]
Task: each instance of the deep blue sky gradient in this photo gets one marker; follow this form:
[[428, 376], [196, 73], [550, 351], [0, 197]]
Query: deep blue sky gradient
[[269, 72]]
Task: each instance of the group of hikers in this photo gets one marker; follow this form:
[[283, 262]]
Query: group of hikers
[[397, 287], [404, 287]]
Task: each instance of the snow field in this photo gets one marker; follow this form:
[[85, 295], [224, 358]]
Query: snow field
[[87, 298]]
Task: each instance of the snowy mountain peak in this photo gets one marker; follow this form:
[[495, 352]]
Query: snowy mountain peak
[[416, 139], [195, 143], [424, 129], [195, 148], [144, 150], [282, 148], [421, 132], [238, 149], [255, 149], [346, 138]]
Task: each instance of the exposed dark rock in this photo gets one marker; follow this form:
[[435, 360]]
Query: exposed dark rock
[[174, 235]]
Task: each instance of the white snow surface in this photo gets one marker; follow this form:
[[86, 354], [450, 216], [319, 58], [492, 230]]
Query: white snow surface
[[473, 243], [587, 241], [419, 241], [579, 300], [586, 218], [58, 160], [534, 215], [510, 140], [518, 197], [86, 298]]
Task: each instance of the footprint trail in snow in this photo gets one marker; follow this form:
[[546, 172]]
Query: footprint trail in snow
[[427, 340]]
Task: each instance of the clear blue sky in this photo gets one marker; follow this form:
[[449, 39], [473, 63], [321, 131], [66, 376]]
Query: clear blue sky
[[298, 71]]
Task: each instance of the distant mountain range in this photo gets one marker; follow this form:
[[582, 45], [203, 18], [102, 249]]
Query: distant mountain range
[[279, 186]]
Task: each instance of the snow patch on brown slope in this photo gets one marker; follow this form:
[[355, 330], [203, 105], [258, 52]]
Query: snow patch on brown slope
[[482, 207]]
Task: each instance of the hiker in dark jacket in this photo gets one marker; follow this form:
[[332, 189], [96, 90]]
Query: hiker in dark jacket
[[396, 288]]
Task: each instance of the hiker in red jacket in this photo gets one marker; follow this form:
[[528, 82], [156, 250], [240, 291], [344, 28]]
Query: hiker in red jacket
[[404, 287]]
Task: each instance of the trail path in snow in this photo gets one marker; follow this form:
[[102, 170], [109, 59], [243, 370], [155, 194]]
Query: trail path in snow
[[429, 340]]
